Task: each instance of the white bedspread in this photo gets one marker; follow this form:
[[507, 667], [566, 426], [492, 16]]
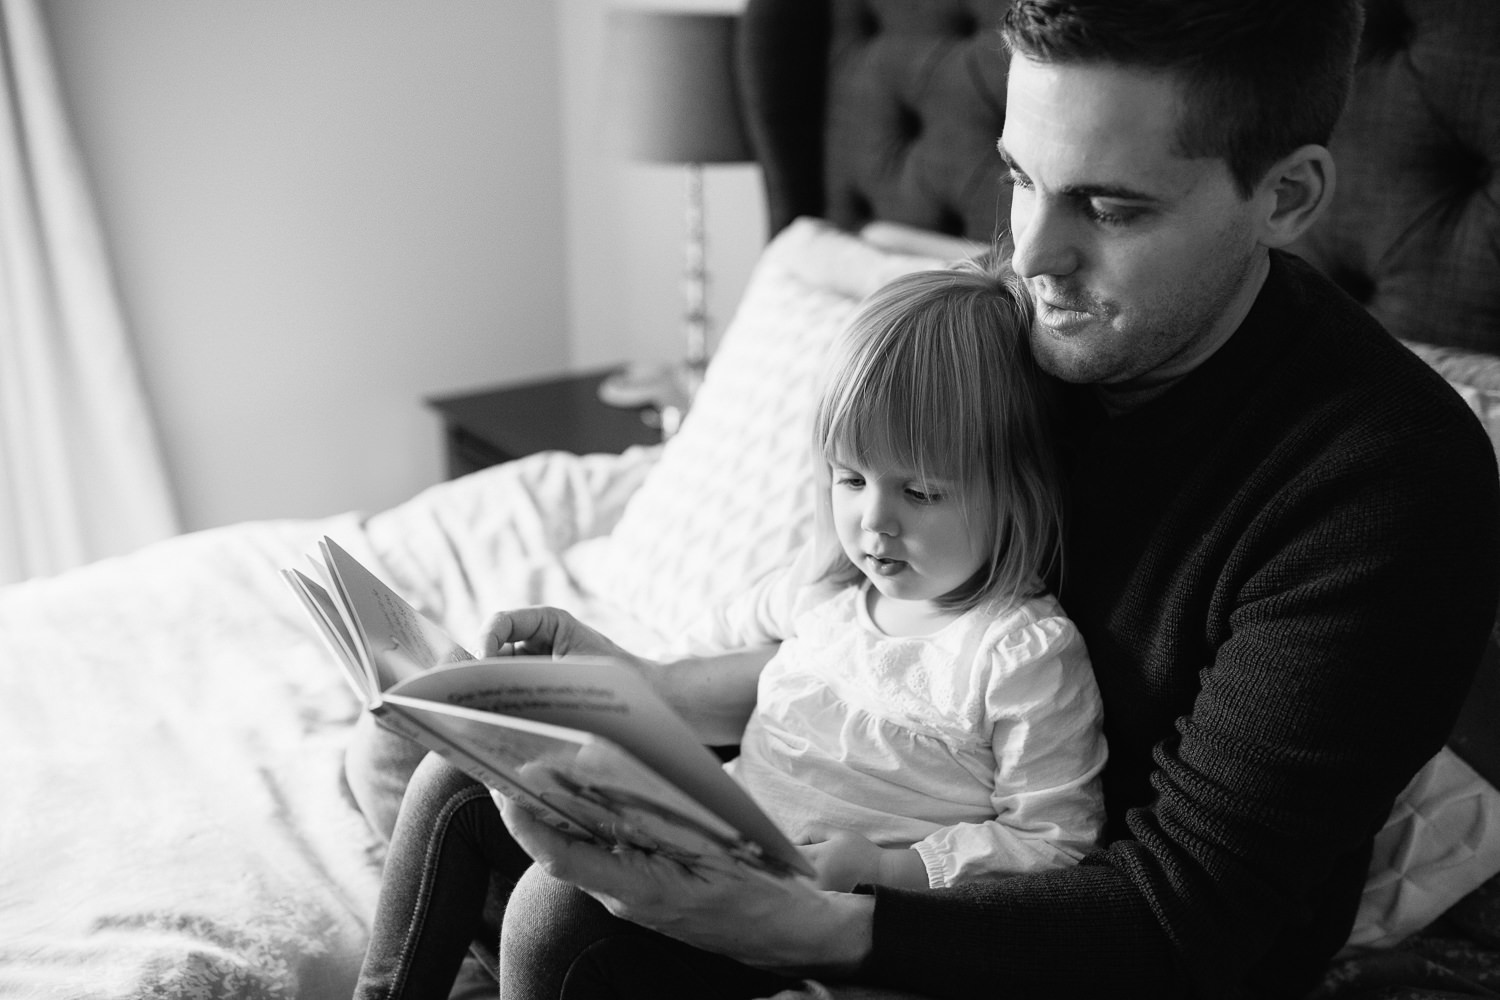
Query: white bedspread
[[175, 822]]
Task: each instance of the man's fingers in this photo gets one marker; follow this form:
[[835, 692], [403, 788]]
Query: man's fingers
[[560, 856], [534, 836]]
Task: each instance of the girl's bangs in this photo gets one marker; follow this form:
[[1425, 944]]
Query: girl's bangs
[[902, 433]]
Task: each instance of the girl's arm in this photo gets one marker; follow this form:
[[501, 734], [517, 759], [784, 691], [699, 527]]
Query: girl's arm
[[1046, 726], [715, 694], [1043, 716]]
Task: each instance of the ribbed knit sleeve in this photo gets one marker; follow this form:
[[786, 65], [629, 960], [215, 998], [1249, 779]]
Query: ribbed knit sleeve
[[1285, 569]]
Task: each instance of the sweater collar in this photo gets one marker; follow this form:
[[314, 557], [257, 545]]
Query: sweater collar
[[1233, 361], [1120, 399]]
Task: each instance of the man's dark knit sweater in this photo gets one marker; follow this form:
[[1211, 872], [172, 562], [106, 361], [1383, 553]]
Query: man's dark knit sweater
[[1285, 569]]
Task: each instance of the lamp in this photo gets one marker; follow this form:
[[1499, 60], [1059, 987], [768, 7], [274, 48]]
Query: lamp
[[673, 98]]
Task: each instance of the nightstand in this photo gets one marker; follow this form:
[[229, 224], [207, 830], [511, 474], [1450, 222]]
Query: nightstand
[[564, 413]]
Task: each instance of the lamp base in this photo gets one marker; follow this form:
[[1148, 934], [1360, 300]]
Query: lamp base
[[668, 389]]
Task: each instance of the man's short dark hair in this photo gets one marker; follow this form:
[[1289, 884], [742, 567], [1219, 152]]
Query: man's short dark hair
[[1260, 77]]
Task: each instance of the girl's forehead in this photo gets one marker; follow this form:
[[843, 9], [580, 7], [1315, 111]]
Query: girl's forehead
[[893, 458]]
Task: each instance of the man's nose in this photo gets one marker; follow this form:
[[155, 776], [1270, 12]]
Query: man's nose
[[1044, 240]]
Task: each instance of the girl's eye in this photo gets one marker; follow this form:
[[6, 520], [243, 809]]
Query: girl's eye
[[849, 479], [924, 496]]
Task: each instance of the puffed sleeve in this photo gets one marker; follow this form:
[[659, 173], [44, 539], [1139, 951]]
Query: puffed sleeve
[[1045, 722], [764, 613]]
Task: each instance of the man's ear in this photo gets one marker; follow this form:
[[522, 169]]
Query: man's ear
[[1295, 192]]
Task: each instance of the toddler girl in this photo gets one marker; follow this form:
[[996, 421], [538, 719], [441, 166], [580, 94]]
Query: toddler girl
[[929, 701]]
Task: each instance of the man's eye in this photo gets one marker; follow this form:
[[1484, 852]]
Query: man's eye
[[1015, 179], [1109, 217]]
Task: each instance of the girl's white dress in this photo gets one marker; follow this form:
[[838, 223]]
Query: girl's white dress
[[979, 745]]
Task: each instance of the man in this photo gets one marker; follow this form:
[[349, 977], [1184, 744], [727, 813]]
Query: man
[[1269, 494]]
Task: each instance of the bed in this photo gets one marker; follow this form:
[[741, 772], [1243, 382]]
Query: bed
[[176, 821]]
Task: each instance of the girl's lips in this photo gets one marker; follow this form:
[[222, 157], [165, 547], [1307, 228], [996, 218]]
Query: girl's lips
[[885, 567]]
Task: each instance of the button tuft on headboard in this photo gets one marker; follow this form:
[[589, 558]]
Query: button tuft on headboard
[[950, 221], [1389, 30], [860, 210], [1359, 285], [1472, 171], [965, 24], [908, 123]]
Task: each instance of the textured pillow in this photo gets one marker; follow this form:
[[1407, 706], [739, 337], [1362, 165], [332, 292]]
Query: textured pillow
[[731, 497], [1438, 845]]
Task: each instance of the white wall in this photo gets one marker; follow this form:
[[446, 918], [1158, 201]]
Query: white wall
[[625, 220], [323, 211]]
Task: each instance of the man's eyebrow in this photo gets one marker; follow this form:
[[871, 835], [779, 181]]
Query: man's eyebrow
[[1116, 191]]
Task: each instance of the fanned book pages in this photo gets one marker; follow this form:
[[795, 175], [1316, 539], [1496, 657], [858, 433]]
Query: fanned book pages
[[584, 743]]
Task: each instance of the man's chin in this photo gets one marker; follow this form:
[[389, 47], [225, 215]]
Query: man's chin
[[1064, 356]]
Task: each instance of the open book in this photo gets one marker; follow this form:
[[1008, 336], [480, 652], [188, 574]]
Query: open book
[[583, 743]]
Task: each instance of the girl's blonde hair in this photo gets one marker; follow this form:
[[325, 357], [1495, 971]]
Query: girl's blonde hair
[[935, 372]]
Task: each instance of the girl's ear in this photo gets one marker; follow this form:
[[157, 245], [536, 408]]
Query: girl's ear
[[1295, 192]]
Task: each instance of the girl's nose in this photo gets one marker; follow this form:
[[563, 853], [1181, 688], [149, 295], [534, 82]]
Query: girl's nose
[[878, 517]]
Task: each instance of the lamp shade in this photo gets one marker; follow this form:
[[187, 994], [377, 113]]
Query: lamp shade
[[671, 89]]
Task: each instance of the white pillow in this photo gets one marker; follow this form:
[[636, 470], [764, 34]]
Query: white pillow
[[1439, 844], [731, 497], [896, 237]]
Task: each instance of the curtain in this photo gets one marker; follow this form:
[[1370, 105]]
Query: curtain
[[81, 471]]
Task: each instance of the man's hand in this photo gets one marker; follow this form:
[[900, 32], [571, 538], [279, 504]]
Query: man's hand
[[784, 924], [844, 859]]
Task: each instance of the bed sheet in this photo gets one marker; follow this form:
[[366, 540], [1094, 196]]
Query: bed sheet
[[172, 732]]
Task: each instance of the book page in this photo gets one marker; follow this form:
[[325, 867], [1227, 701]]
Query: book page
[[610, 700], [331, 627], [394, 639]]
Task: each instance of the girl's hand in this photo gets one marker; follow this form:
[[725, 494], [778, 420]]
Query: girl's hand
[[714, 694], [844, 859], [543, 631]]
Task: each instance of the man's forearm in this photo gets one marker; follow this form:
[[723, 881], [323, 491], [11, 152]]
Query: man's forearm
[[715, 694]]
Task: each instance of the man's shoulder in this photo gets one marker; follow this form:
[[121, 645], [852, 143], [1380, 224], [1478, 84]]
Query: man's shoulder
[[1341, 347], [1326, 318]]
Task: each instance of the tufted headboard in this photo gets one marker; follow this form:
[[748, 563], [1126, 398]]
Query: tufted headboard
[[888, 109], [861, 110]]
